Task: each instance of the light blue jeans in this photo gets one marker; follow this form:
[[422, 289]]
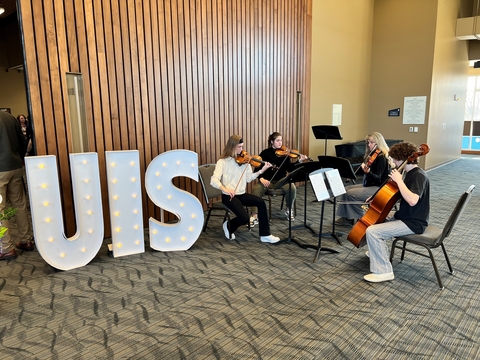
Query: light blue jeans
[[377, 236]]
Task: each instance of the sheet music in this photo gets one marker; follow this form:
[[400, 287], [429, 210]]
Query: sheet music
[[335, 182], [319, 187]]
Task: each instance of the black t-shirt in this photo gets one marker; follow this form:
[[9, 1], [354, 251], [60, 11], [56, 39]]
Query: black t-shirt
[[416, 217], [283, 162]]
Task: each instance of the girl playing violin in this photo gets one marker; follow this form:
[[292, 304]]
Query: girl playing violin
[[271, 177], [375, 173], [231, 177]]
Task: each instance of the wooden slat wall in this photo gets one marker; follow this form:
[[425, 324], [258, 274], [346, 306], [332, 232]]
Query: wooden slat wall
[[166, 74]]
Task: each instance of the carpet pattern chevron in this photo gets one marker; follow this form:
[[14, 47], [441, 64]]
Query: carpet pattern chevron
[[243, 299]]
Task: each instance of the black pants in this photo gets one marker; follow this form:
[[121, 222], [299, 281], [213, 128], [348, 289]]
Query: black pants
[[237, 205]]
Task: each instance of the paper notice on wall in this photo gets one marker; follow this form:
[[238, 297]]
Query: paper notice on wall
[[414, 109], [337, 114]]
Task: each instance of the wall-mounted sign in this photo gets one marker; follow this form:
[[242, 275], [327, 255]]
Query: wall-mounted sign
[[394, 112], [414, 109]]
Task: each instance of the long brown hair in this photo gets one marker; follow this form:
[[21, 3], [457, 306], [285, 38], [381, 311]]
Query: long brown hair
[[230, 147]]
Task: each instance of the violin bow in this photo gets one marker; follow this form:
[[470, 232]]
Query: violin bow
[[286, 157], [238, 182], [365, 160]]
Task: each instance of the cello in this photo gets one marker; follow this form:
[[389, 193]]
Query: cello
[[382, 202]]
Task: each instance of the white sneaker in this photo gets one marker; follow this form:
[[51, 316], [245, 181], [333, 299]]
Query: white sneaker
[[376, 278], [367, 254], [269, 239], [227, 233], [253, 221]]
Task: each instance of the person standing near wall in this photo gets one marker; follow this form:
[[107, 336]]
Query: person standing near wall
[[12, 189]]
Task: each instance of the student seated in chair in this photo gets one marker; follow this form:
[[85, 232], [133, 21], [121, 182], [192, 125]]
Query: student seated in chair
[[231, 176], [375, 169], [411, 217], [285, 164]]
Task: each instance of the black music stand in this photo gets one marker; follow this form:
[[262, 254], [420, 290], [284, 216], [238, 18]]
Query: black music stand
[[345, 170], [307, 168], [343, 165], [289, 178], [326, 132], [320, 234]]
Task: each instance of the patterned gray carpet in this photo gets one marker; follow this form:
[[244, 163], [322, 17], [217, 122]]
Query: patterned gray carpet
[[246, 300]]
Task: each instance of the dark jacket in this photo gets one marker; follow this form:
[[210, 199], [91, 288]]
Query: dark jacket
[[12, 147]]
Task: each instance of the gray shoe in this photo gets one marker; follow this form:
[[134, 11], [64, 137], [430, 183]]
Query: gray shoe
[[344, 221]]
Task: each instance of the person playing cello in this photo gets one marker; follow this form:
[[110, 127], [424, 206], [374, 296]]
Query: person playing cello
[[277, 155], [411, 217], [376, 168], [231, 177]]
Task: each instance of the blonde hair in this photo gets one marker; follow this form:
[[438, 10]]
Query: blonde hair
[[378, 139], [230, 146]]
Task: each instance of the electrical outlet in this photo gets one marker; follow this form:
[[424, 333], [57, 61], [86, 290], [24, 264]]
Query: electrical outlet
[[410, 129]]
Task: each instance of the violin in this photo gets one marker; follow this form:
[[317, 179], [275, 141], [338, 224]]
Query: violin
[[292, 154], [254, 160], [382, 202], [372, 158]]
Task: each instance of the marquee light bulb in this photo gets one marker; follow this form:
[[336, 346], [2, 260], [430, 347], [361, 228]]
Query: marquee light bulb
[[87, 181], [178, 162], [167, 240], [63, 255], [118, 229], [88, 197], [134, 196], [182, 204], [41, 166], [113, 164], [132, 163], [114, 181], [115, 197], [84, 249], [44, 186], [50, 239], [84, 162], [47, 220], [45, 203], [90, 231], [157, 173], [89, 212], [117, 213], [164, 164], [169, 197], [133, 179]]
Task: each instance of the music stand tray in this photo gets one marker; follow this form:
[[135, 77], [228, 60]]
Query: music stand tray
[[327, 132]]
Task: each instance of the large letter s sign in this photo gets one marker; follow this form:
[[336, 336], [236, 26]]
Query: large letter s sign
[[158, 183]]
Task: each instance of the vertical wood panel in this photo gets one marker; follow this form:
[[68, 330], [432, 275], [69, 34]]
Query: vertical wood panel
[[166, 74]]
